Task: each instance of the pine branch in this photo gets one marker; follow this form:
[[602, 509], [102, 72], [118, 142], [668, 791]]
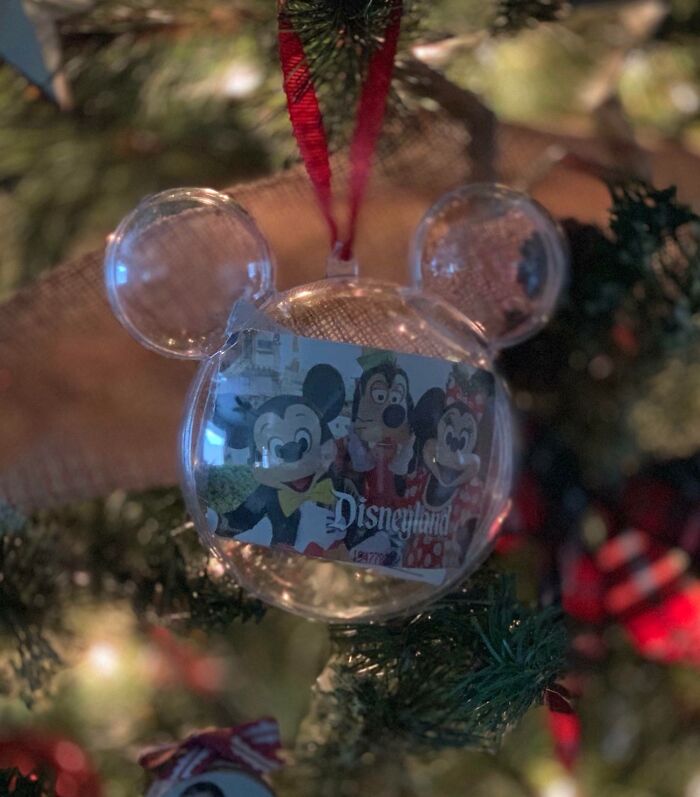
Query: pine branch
[[339, 35], [658, 243], [137, 549], [459, 674], [30, 583], [339, 38], [633, 305]]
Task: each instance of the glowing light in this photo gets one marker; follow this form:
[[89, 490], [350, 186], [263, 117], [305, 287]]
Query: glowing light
[[693, 787], [240, 80], [561, 787], [215, 568], [685, 97], [103, 659]]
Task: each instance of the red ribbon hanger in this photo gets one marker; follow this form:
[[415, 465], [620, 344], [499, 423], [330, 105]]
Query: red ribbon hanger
[[309, 131]]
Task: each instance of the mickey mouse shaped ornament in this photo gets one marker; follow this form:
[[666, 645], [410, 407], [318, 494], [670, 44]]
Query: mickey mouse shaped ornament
[[347, 444]]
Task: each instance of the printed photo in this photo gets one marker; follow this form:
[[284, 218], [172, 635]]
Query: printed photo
[[367, 456]]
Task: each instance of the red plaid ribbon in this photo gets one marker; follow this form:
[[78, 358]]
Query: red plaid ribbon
[[644, 585], [651, 593], [639, 576], [252, 747], [638, 571], [307, 119]]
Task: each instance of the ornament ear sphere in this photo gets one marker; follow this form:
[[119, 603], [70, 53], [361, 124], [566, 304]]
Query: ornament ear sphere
[[497, 255], [176, 266]]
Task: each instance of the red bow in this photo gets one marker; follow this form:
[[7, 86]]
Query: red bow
[[252, 747]]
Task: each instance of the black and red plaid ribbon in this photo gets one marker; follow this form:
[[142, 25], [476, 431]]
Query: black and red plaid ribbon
[[637, 567]]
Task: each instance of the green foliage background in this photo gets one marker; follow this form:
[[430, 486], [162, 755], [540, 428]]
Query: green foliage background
[[177, 92]]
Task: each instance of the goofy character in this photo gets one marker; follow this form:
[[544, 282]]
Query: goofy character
[[380, 442]]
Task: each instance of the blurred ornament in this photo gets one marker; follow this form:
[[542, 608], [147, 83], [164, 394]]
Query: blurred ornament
[[30, 42], [564, 724], [179, 662], [57, 760], [632, 561], [332, 423], [224, 762]]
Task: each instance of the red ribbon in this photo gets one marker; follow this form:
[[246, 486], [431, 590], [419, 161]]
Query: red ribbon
[[307, 120]]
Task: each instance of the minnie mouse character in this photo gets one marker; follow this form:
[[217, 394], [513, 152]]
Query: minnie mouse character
[[446, 427], [446, 475], [291, 450]]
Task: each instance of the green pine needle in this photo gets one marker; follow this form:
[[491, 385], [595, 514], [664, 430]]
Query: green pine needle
[[459, 674], [138, 549], [657, 242], [339, 38]]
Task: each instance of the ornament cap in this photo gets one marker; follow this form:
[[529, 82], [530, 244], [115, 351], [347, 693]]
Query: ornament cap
[[339, 266]]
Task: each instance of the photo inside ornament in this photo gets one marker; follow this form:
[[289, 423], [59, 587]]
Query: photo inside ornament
[[347, 450]]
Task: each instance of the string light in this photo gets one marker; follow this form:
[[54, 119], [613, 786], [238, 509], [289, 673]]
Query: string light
[[103, 659]]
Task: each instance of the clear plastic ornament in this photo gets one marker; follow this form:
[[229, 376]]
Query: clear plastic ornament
[[178, 263], [347, 452], [497, 255]]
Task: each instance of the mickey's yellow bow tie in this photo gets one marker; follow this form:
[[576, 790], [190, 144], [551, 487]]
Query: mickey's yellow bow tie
[[320, 493]]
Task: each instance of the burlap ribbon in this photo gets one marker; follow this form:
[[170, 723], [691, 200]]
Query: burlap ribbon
[[85, 410]]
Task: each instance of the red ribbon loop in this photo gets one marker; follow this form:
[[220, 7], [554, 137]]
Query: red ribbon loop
[[309, 131]]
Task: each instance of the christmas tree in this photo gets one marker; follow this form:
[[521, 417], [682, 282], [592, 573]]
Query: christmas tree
[[567, 664]]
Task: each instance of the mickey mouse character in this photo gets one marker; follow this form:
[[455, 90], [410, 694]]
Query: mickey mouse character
[[291, 450], [380, 443]]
